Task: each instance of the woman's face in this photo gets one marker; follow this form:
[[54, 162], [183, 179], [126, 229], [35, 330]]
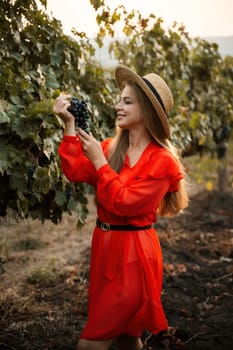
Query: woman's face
[[129, 114]]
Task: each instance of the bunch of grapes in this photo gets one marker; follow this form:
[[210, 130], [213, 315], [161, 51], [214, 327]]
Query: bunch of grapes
[[80, 112]]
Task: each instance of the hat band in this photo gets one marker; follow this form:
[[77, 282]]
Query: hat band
[[155, 92]]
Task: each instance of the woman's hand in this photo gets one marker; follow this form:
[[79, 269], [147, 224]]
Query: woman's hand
[[60, 107], [92, 149]]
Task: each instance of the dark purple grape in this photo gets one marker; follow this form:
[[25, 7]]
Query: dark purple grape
[[30, 179], [80, 112]]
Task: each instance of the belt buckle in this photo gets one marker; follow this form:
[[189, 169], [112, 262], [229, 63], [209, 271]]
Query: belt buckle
[[105, 226]]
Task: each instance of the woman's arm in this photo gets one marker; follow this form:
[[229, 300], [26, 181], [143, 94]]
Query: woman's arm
[[75, 165], [141, 196]]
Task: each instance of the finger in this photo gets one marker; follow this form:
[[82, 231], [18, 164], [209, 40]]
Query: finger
[[62, 99], [81, 131], [83, 134], [61, 106], [85, 148], [64, 96]]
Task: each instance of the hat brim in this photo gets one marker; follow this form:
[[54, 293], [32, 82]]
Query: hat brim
[[124, 74]]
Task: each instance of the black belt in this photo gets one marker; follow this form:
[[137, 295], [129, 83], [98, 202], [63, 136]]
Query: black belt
[[105, 226]]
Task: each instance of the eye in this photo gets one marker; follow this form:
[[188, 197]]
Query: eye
[[127, 101]]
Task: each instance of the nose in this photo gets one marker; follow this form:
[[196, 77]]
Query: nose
[[118, 106]]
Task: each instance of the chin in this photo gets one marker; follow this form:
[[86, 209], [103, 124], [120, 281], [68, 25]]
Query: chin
[[124, 127]]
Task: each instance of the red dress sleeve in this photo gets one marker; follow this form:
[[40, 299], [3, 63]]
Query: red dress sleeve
[[166, 165], [74, 164], [144, 192]]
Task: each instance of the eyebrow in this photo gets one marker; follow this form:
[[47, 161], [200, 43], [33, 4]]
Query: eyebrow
[[127, 97]]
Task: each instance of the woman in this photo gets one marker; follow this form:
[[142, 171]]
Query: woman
[[136, 175]]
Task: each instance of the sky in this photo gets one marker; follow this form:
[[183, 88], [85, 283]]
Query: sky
[[201, 18]]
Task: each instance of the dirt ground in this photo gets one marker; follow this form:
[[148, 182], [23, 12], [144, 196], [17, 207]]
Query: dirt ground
[[44, 277]]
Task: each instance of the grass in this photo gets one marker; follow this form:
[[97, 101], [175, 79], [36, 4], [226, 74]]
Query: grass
[[45, 275], [28, 243], [203, 171], [42, 276], [11, 304]]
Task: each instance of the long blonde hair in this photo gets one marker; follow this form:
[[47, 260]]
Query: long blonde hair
[[173, 202]]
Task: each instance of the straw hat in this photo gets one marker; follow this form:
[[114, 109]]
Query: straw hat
[[154, 87]]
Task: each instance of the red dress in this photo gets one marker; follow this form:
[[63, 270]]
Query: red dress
[[126, 266]]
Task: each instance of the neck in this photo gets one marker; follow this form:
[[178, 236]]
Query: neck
[[139, 140]]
